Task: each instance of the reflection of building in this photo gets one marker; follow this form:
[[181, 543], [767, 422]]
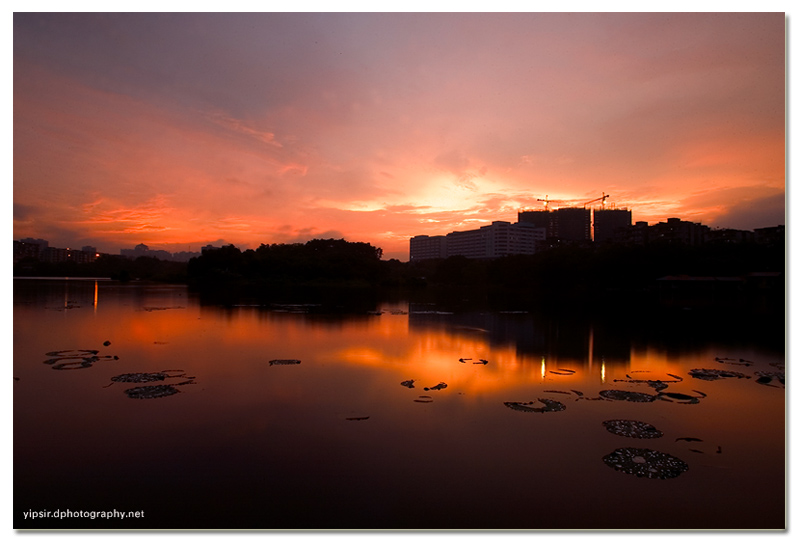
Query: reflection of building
[[607, 222], [499, 239]]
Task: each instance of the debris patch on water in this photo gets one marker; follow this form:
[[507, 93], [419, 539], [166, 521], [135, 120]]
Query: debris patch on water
[[766, 378], [408, 383], [65, 360], [549, 406], [734, 361], [715, 374], [563, 372], [440, 386], [657, 384], [72, 353], [357, 418], [284, 362], [151, 392], [557, 392], [147, 377], [678, 398], [645, 463], [633, 428], [624, 395]]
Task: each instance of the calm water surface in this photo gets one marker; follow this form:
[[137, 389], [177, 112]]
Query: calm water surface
[[337, 441]]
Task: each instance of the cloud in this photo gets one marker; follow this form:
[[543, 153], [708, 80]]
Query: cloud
[[24, 212], [380, 125], [754, 213]]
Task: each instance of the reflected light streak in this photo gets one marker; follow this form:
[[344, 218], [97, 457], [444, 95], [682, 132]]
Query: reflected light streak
[[603, 372], [94, 304], [544, 368]]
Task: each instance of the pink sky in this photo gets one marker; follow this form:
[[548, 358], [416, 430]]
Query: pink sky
[[179, 130]]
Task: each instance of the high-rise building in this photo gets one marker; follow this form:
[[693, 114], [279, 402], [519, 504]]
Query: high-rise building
[[539, 218], [609, 221], [675, 230], [425, 247], [499, 239], [573, 224]]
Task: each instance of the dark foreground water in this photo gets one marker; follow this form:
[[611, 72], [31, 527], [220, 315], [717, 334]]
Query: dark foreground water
[[228, 434]]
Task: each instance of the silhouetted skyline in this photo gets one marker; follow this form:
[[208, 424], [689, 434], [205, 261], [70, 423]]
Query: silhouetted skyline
[[180, 130]]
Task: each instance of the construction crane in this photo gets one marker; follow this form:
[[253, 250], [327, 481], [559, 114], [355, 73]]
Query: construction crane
[[547, 201], [603, 198]]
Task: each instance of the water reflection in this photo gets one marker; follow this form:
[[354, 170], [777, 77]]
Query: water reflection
[[302, 414]]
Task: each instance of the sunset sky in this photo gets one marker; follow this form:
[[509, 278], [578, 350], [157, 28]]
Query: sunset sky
[[180, 130]]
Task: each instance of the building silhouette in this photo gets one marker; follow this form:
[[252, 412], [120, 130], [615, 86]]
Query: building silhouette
[[499, 239], [573, 224], [609, 221]]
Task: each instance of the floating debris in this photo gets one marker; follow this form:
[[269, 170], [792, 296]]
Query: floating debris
[[358, 418], [145, 377], [16, 378], [66, 360], [563, 372], [715, 374], [656, 384], [408, 383], [480, 362], [151, 392], [734, 361], [766, 377], [72, 353], [697, 451], [578, 392], [644, 462], [464, 360], [69, 363], [557, 392], [678, 397], [550, 405], [151, 309], [440, 386], [624, 395], [688, 439], [284, 362], [423, 399], [633, 428], [107, 343]]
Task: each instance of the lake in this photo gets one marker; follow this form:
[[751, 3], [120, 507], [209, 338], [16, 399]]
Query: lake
[[387, 414]]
